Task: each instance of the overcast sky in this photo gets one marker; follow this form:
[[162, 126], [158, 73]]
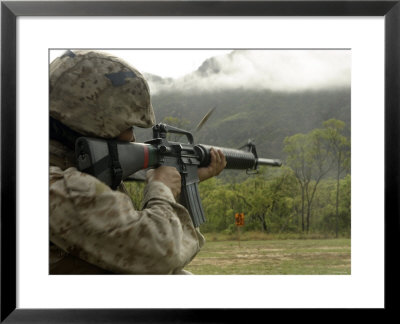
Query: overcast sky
[[280, 70], [164, 63]]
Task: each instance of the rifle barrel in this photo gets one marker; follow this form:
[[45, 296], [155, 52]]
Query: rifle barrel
[[235, 158], [262, 161]]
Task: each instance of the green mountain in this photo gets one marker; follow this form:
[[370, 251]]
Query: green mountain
[[265, 116]]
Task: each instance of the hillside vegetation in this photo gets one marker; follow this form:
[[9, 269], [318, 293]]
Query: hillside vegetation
[[309, 132], [265, 116]]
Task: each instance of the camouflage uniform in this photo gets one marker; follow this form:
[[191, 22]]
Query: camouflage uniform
[[94, 229]]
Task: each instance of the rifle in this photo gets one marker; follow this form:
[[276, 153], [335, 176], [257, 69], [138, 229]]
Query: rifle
[[112, 161]]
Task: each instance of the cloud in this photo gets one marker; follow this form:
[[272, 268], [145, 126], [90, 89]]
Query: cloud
[[277, 70]]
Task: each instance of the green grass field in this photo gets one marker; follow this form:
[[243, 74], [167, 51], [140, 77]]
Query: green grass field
[[274, 257]]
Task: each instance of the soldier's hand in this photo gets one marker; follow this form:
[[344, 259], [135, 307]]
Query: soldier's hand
[[217, 164], [167, 175]]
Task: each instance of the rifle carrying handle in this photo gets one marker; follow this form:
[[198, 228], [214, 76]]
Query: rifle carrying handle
[[161, 130]]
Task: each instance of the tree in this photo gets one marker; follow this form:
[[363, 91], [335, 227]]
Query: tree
[[325, 201], [339, 146], [296, 148], [264, 199], [308, 156], [219, 204]]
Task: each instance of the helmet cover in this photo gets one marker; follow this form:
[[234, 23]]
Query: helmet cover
[[97, 94]]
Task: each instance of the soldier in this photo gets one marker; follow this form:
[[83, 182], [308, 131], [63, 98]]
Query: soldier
[[93, 229]]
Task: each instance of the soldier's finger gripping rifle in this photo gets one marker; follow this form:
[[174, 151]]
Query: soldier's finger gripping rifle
[[112, 161]]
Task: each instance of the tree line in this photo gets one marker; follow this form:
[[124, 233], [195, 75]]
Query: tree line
[[310, 193]]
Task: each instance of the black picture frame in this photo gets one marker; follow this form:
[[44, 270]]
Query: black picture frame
[[10, 10]]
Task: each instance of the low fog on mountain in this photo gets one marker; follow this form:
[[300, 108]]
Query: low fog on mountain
[[276, 70], [264, 95]]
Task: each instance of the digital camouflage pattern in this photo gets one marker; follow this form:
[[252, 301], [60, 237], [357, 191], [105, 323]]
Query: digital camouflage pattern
[[96, 230], [97, 94], [93, 229]]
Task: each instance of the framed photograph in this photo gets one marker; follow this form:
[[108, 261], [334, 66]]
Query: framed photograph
[[34, 33]]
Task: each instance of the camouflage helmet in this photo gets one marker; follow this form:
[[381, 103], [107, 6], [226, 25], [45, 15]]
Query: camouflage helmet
[[97, 94]]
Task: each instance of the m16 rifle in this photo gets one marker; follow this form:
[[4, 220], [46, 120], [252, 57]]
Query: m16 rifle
[[113, 161]]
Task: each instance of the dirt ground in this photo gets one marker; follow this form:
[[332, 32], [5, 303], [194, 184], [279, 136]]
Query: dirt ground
[[305, 257]]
